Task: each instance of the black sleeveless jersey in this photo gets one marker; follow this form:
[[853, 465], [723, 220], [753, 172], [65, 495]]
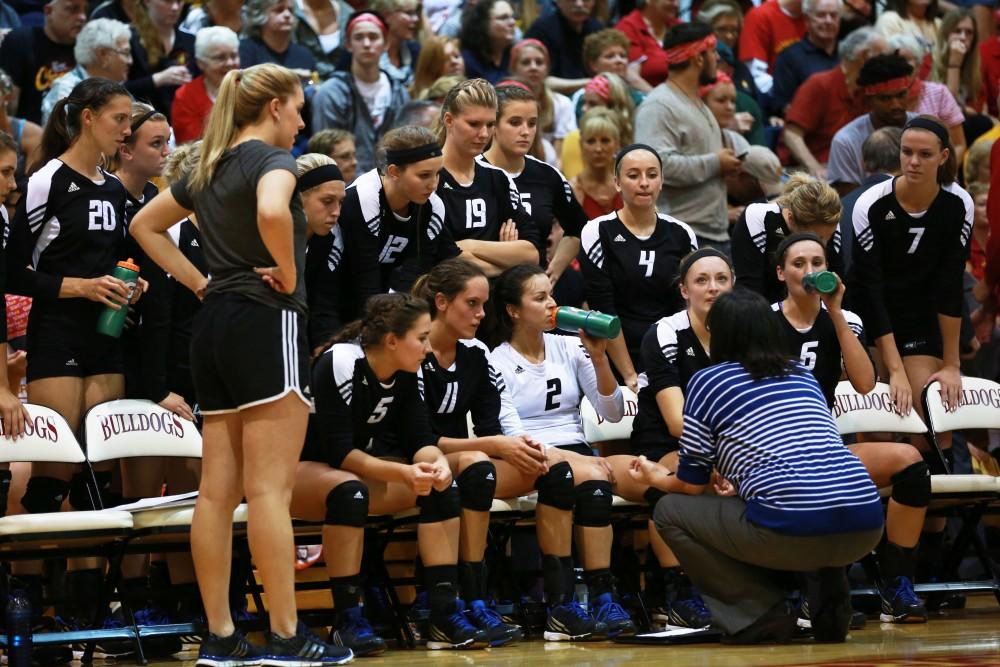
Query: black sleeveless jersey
[[468, 387], [324, 286]]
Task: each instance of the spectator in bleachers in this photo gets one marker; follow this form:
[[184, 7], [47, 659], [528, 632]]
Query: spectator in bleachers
[[421, 113], [606, 52], [827, 101], [439, 56], [102, 49], [268, 28], [365, 100], [678, 125], [956, 64], [217, 51], [403, 22], [563, 32], [338, 144], [35, 57], [646, 27], [919, 18], [11, 411], [768, 30], [529, 61], [989, 57], [746, 89], [720, 97], [486, 38], [438, 90], [977, 167], [816, 52], [600, 141], [9, 19], [162, 55], [318, 29], [608, 91], [725, 17], [227, 13], [26, 135], [885, 82]]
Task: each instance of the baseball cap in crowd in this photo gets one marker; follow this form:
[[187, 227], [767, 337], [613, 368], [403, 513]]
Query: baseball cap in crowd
[[765, 167]]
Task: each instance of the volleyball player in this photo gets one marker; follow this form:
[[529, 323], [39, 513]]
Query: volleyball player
[[545, 194], [547, 377], [391, 230], [254, 230], [371, 449], [806, 204], [482, 204], [630, 257], [827, 338]]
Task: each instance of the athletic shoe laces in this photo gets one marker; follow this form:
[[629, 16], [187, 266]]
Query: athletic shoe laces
[[460, 622], [357, 625], [485, 616], [612, 612], [904, 592]]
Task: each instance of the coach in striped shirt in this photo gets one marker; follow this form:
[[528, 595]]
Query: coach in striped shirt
[[800, 500]]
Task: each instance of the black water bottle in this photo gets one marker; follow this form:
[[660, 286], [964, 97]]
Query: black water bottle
[[18, 629]]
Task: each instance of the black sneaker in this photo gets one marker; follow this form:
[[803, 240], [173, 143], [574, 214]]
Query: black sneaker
[[157, 646], [900, 603], [353, 631], [569, 622], [614, 617], [303, 650], [454, 632], [777, 626], [497, 631], [231, 651], [689, 611]]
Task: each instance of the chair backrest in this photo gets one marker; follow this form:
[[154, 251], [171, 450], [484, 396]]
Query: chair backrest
[[979, 407], [47, 437], [128, 428], [871, 412], [596, 429]]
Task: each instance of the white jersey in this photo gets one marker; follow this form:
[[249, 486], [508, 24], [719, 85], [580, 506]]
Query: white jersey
[[547, 396]]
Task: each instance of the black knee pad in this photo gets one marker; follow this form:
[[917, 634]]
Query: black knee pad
[[476, 486], [80, 491], [911, 486], [933, 461], [440, 505], [555, 488], [593, 504], [347, 505], [44, 494]]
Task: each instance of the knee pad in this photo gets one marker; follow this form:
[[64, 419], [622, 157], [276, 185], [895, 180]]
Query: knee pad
[[911, 486], [653, 495], [440, 505], [44, 494], [593, 504], [476, 486], [347, 505], [555, 488], [80, 491], [933, 461]]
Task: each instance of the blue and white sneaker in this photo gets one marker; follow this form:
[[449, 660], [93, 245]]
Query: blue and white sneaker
[[900, 603], [497, 631], [454, 632], [353, 631], [303, 650], [569, 622], [231, 651], [612, 615]]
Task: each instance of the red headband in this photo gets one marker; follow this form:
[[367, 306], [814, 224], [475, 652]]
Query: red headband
[[530, 41], [720, 79], [684, 52], [515, 84], [367, 17], [890, 86], [600, 87]]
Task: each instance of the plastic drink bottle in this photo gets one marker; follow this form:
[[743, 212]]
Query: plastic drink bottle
[[824, 282], [111, 322], [599, 325]]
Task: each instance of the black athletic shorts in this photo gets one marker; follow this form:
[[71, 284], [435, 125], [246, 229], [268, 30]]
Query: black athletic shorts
[[62, 341], [580, 448], [919, 340], [244, 354]]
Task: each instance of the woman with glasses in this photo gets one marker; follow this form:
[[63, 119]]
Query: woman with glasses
[[487, 58], [217, 51]]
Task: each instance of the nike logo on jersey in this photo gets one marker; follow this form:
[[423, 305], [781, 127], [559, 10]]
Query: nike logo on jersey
[[73, 187], [890, 216], [359, 496], [690, 352], [518, 370], [619, 239]]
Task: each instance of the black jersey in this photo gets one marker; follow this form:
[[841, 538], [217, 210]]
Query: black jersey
[[907, 268], [757, 234], [4, 233], [382, 251], [546, 196], [818, 347], [468, 387], [476, 210], [324, 286], [356, 411], [671, 354], [632, 277], [65, 225]]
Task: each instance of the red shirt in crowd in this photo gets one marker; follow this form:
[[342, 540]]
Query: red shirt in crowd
[[993, 213], [767, 31], [989, 58], [634, 26], [189, 113], [821, 106]]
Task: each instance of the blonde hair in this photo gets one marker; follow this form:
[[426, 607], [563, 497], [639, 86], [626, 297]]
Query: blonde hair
[[622, 102], [975, 158], [243, 94], [602, 120], [149, 37], [139, 109], [401, 138], [978, 188], [469, 93], [812, 202], [306, 163], [440, 88], [430, 63], [181, 161]]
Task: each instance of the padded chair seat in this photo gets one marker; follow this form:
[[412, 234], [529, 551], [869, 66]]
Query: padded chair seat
[[505, 505], [65, 522], [528, 503], [964, 484], [619, 502], [173, 517]]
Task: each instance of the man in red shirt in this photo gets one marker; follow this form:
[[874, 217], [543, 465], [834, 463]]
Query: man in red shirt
[[984, 319], [826, 102], [767, 31], [989, 58]]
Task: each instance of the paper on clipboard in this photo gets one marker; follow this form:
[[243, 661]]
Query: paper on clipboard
[[178, 500], [671, 631]]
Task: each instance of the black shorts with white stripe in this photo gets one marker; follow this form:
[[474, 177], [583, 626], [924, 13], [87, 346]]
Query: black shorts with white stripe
[[245, 354]]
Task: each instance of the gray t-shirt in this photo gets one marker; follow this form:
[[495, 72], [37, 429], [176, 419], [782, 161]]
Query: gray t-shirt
[[227, 219], [844, 164]]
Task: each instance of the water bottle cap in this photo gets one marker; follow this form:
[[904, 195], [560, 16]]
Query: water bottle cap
[[129, 264]]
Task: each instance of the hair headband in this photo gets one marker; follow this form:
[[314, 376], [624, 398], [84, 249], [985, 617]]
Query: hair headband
[[405, 156], [524, 43], [319, 175], [137, 123], [890, 86], [931, 126], [515, 84], [599, 86], [367, 17], [721, 78], [791, 240], [636, 147], [700, 253], [681, 53]]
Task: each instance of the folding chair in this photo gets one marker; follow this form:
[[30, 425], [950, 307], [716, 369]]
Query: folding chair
[[48, 438]]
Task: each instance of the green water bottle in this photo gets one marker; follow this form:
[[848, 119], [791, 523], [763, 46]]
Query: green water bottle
[[111, 322], [599, 325], [824, 282]]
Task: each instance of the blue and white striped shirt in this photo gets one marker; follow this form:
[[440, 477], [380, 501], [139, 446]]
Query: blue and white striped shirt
[[776, 441]]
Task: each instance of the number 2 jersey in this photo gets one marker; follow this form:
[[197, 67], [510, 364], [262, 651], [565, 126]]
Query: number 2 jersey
[[547, 395]]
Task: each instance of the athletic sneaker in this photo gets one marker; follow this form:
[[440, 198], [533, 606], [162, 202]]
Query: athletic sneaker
[[497, 631], [454, 632], [157, 646], [605, 610], [688, 612], [303, 650], [353, 631], [900, 603], [231, 651], [568, 622], [804, 621]]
